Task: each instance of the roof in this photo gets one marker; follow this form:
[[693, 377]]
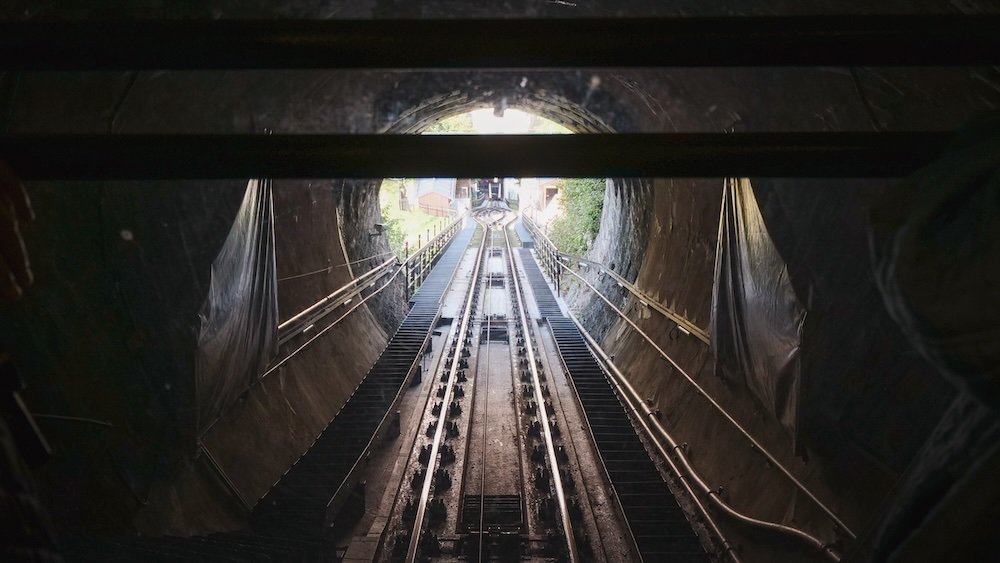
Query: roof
[[443, 186]]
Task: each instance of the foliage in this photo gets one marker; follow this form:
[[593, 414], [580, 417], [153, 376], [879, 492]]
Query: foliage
[[582, 200], [393, 230], [461, 123], [402, 227]]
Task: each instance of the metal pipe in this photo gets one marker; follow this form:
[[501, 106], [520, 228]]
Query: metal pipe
[[632, 400], [176, 157], [543, 416], [328, 327], [847, 40], [757, 445], [648, 418], [346, 287], [380, 269], [332, 266], [684, 323]]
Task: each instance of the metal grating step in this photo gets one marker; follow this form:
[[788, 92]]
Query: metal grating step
[[302, 493], [658, 524], [546, 302], [501, 513]]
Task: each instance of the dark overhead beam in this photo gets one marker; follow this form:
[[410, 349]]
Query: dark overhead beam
[[153, 157], [507, 43]]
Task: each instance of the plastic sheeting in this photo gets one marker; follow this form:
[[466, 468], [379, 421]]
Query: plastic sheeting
[[936, 247], [756, 324], [239, 318]]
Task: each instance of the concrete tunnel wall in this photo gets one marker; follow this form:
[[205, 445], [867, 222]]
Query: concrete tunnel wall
[[115, 340]]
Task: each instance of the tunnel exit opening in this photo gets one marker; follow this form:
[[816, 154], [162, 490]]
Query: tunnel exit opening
[[567, 209]]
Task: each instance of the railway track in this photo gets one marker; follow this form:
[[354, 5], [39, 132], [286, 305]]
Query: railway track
[[489, 475], [510, 499], [658, 525]]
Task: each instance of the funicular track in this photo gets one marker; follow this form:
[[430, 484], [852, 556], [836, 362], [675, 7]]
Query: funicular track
[[289, 522], [491, 523], [658, 525]]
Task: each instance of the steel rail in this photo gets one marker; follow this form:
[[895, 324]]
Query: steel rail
[[839, 40], [701, 390], [649, 420], [685, 324], [543, 416], [706, 155], [425, 489], [589, 429], [325, 300], [349, 481]]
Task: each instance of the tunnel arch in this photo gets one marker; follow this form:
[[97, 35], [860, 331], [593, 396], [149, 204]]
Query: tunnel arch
[[575, 100]]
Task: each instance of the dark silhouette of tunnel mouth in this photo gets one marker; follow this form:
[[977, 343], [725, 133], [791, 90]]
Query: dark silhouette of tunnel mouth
[[568, 118], [561, 112], [553, 106], [578, 103]]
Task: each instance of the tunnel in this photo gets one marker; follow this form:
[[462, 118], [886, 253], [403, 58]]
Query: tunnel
[[789, 366]]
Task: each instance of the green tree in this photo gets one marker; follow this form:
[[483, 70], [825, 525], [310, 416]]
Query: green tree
[[393, 231], [581, 200], [461, 123]]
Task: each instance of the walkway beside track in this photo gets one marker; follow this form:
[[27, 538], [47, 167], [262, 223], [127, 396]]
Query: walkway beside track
[[296, 505], [661, 530]]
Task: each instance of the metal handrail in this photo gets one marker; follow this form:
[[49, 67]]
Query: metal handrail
[[354, 281], [701, 390], [685, 324], [273, 367], [648, 418], [352, 285], [417, 257], [458, 220]]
